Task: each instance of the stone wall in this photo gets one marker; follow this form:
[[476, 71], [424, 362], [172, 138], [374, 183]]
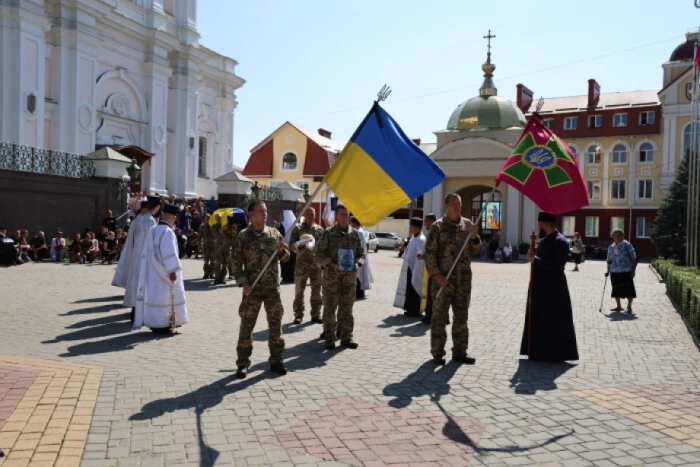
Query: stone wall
[[46, 202]]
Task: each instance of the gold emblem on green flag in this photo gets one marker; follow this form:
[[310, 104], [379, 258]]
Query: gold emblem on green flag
[[535, 156]]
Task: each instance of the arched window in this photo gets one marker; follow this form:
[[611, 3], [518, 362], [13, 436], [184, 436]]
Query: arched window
[[646, 153], [289, 162], [595, 154], [619, 154], [573, 149]]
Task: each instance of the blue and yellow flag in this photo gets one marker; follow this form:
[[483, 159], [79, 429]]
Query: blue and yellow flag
[[381, 169]]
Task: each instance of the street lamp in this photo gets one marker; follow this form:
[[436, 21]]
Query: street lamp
[[134, 171]]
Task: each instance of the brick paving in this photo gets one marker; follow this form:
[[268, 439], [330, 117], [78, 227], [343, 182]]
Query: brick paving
[[166, 401]]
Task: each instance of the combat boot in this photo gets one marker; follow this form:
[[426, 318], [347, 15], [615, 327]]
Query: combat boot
[[350, 344], [317, 320], [297, 321], [242, 372], [464, 359], [278, 368]]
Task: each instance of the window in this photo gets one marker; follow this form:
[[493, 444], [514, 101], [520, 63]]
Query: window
[[619, 154], [289, 162], [646, 153], [570, 123], [548, 122], [593, 189], [274, 183], [644, 227], [592, 226], [686, 138], [303, 184], [619, 189], [568, 226], [202, 157], [594, 155], [573, 150], [595, 121], [617, 222], [620, 120], [644, 189], [647, 118]]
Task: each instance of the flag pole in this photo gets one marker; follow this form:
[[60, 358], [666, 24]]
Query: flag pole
[[288, 234], [464, 245]]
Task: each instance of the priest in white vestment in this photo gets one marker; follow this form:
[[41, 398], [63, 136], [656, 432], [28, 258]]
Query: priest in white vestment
[[364, 272], [128, 268], [160, 302], [411, 292]]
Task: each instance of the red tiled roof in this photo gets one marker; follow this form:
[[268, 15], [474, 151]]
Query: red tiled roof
[[316, 161], [608, 100], [260, 162]]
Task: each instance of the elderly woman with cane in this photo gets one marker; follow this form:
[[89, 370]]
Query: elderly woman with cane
[[622, 264]]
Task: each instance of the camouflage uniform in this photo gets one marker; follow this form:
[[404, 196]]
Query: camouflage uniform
[[223, 254], [251, 251], [441, 248], [305, 269], [338, 289], [216, 236], [206, 246]]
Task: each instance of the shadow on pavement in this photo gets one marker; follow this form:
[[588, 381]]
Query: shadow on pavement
[[198, 285], [101, 327], [113, 298], [514, 448], [425, 381], [94, 309], [532, 376], [405, 326], [114, 344], [200, 400], [288, 328], [311, 354], [621, 316]]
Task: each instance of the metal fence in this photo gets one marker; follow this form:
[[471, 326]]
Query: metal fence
[[44, 161]]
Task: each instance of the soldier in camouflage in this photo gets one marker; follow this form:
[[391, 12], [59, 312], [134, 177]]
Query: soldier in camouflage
[[217, 239], [206, 246], [223, 254], [253, 247], [235, 229], [339, 287], [306, 268], [444, 242]]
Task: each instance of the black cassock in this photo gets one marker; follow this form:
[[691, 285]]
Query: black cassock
[[549, 326]]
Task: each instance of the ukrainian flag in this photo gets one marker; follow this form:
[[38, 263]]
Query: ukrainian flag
[[381, 169]]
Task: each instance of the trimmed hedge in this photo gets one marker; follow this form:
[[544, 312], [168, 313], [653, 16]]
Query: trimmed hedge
[[683, 286]]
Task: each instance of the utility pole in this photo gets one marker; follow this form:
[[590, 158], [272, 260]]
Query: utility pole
[[692, 255]]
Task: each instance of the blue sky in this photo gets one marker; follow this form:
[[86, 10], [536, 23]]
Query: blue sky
[[320, 63]]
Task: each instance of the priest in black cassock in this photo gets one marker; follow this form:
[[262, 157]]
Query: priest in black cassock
[[549, 322]]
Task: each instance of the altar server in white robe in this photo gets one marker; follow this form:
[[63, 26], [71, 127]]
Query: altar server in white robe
[[128, 268], [160, 303], [411, 291], [364, 272]]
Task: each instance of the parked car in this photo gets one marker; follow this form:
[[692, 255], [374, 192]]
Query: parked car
[[597, 249], [388, 240], [372, 242]]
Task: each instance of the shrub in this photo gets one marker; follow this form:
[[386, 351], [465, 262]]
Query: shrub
[[523, 248], [683, 286]]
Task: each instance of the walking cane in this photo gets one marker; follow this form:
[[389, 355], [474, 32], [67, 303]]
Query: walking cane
[[600, 310]]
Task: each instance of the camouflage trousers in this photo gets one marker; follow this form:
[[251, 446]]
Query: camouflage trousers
[[223, 263], [338, 296], [208, 256], [458, 298], [248, 311], [302, 273]]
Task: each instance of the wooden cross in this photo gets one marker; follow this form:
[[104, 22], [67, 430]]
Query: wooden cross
[[489, 37]]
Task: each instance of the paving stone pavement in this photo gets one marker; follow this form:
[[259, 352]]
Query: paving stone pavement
[[171, 401]]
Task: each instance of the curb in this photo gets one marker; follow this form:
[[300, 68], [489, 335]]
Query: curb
[[656, 273]]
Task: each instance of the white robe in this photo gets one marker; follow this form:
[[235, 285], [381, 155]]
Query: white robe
[[364, 272], [154, 302], [411, 261], [128, 268]]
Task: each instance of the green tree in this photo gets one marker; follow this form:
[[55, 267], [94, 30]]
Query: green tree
[[669, 230]]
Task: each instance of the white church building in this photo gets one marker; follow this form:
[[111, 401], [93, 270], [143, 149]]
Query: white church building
[[77, 75]]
